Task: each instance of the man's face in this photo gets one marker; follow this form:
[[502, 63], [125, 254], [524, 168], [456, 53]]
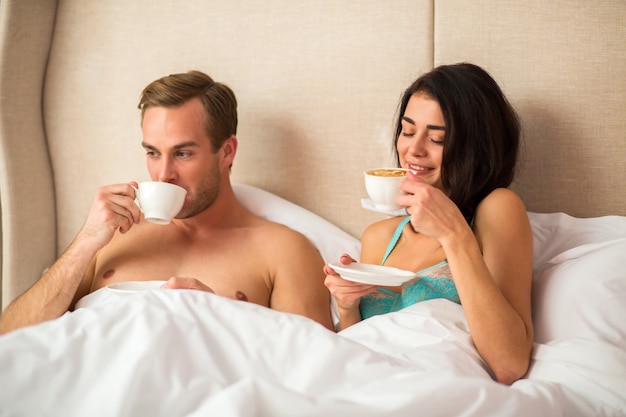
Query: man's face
[[179, 151]]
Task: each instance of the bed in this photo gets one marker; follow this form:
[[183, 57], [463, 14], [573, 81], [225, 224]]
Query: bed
[[187, 353], [317, 84]]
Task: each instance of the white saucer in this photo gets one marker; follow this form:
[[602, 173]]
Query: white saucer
[[368, 204], [135, 286], [373, 274]]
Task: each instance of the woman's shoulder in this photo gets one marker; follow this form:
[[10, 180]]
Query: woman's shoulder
[[502, 207], [382, 229], [376, 237], [501, 198]]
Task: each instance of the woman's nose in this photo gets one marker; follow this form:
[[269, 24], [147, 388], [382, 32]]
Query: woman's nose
[[417, 146]]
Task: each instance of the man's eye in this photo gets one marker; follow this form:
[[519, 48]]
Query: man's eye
[[183, 154], [151, 154]]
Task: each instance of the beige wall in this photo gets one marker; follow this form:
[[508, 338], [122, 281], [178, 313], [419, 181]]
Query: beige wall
[[317, 85], [563, 65]]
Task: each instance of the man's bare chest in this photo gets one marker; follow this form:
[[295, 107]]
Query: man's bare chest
[[226, 267]]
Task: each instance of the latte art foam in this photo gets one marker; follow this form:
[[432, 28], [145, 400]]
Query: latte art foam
[[387, 172]]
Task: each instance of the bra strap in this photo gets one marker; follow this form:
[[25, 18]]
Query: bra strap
[[394, 238]]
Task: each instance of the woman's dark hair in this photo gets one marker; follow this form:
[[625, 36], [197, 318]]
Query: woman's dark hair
[[482, 132]]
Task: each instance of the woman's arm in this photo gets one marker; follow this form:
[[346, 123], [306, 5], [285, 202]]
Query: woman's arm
[[492, 270], [348, 294]]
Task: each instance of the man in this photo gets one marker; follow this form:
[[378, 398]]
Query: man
[[214, 244]]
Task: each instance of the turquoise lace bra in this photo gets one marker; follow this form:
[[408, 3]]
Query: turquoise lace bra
[[432, 282]]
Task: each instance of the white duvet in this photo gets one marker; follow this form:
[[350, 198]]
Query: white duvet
[[190, 353]]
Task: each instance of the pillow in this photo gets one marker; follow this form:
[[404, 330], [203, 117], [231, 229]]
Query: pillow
[[579, 285], [329, 239], [555, 233]]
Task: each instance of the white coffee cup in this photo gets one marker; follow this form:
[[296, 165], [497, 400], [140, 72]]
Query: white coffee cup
[[159, 201], [383, 186]]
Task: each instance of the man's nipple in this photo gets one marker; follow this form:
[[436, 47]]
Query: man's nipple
[[108, 274]]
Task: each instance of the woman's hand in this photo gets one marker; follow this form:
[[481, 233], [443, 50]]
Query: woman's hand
[[347, 293], [432, 212]]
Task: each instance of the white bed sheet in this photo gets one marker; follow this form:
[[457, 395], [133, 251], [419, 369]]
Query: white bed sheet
[[188, 353]]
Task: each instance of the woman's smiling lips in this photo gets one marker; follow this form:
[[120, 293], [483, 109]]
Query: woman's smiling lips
[[418, 169]]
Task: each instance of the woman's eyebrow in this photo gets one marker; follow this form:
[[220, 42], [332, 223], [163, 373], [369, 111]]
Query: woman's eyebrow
[[408, 120], [429, 127]]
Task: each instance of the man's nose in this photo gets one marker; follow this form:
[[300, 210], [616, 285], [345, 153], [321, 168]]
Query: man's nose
[[166, 172]]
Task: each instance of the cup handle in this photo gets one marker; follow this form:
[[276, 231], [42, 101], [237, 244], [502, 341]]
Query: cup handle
[[136, 199]]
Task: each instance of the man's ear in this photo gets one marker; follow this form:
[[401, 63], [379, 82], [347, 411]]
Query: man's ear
[[229, 150]]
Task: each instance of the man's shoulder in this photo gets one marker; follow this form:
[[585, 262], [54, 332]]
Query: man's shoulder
[[280, 241], [280, 231]]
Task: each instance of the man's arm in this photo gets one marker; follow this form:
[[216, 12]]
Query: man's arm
[[299, 281], [52, 295]]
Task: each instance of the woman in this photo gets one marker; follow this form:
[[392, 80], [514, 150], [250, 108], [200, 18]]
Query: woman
[[466, 234]]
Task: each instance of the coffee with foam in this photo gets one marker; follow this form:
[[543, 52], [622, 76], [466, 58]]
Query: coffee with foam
[[382, 186]]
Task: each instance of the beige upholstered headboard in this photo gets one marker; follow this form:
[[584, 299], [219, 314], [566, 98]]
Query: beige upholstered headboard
[[317, 84]]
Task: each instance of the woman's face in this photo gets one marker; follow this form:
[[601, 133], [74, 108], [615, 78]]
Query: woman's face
[[421, 141]]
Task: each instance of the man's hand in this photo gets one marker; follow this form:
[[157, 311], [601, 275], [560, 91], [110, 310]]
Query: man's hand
[[113, 208], [182, 283]]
